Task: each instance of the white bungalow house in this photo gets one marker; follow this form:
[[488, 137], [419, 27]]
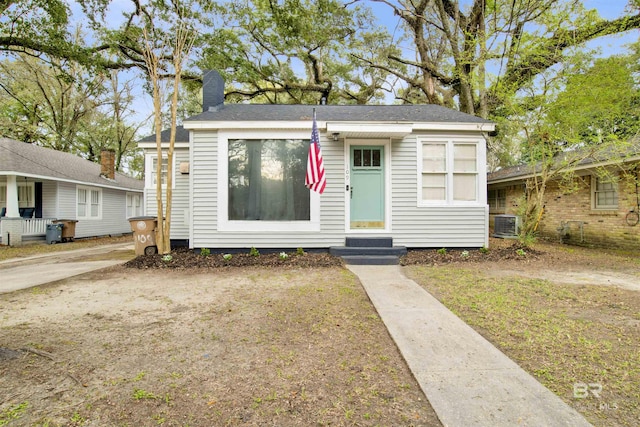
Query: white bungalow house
[[39, 185], [413, 175]]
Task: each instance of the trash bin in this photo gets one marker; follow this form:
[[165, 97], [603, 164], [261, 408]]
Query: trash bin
[[144, 234], [54, 233], [68, 228]]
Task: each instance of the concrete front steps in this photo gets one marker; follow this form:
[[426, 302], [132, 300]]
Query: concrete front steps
[[369, 251]]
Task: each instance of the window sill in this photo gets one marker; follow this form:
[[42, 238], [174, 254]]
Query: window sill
[[603, 212]]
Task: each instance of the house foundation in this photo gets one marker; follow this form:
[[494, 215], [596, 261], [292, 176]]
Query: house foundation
[[11, 231]]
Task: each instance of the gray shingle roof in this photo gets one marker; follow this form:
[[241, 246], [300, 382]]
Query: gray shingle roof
[[182, 135], [424, 113], [625, 153], [29, 159]]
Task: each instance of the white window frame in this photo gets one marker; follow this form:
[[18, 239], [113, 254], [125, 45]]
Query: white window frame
[[481, 170], [131, 210], [594, 195], [150, 163], [224, 224], [89, 203]]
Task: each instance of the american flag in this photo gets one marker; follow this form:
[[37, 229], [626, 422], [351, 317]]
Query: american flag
[[315, 179]]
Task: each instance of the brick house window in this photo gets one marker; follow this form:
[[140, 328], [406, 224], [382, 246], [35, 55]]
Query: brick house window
[[497, 200], [604, 193]]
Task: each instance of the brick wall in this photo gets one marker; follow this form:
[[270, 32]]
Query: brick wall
[[581, 224]]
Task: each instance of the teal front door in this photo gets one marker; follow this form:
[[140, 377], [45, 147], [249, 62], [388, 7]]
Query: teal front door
[[367, 187]]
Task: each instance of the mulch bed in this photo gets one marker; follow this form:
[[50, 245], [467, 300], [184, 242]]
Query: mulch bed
[[515, 251], [183, 258]]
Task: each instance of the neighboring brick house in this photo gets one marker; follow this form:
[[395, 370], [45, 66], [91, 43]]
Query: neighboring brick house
[[595, 212]]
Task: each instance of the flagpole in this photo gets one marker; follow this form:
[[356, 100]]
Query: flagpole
[[315, 178]]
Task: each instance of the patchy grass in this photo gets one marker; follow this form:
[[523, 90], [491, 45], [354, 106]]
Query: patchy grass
[[252, 346], [581, 342], [39, 248], [13, 412]]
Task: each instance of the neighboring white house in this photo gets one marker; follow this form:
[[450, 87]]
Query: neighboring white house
[[413, 173], [38, 185]]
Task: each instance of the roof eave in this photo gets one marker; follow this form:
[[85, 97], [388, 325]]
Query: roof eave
[[330, 126], [587, 166], [71, 181]]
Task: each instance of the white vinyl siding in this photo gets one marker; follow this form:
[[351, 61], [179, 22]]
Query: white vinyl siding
[[180, 198], [434, 225], [50, 199], [209, 229], [463, 224], [113, 221]]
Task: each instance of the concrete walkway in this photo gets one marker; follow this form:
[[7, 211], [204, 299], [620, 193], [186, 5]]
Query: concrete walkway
[[23, 273], [465, 378]]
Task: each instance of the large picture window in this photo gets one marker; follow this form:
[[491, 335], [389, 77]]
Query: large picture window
[[266, 180], [448, 172]]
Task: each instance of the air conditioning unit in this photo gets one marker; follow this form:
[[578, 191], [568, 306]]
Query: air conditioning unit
[[506, 226]]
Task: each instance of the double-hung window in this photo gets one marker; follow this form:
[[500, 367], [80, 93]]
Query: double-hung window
[[89, 203], [497, 200], [134, 204], [604, 193], [449, 172], [152, 166]]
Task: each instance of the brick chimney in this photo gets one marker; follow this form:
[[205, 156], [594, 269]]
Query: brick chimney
[[108, 164], [212, 90]]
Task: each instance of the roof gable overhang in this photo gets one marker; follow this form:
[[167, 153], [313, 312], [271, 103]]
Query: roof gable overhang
[[361, 129]]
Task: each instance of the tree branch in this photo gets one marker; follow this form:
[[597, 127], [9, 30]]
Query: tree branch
[[550, 51]]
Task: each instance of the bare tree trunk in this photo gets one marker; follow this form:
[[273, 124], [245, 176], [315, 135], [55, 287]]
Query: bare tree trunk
[[152, 64], [183, 43]]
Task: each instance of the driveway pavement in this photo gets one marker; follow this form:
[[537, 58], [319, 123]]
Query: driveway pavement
[[23, 273]]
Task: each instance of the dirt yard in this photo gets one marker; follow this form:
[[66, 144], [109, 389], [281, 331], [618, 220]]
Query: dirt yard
[[250, 346], [287, 343]]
